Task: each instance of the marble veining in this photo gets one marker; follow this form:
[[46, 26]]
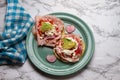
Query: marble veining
[[103, 17]]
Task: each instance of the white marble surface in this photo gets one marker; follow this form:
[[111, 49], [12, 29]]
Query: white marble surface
[[103, 17]]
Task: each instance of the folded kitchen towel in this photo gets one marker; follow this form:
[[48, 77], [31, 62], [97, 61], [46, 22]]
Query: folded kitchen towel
[[12, 39]]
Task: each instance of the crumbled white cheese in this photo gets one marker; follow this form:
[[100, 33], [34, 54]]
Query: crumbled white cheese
[[51, 32]]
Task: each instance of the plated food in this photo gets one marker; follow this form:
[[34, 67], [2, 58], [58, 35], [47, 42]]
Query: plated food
[[49, 31], [41, 57], [70, 48]]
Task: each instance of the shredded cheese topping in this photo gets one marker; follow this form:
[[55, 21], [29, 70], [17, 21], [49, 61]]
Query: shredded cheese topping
[[52, 31]]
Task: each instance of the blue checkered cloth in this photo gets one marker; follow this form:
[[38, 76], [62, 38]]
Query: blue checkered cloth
[[12, 39]]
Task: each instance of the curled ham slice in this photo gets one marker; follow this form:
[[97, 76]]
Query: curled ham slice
[[34, 31], [51, 58], [44, 39], [70, 29]]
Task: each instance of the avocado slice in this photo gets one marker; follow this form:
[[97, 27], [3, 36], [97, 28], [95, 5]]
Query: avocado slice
[[46, 26], [68, 44]]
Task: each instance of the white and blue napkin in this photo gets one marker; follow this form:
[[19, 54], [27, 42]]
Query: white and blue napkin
[[12, 39]]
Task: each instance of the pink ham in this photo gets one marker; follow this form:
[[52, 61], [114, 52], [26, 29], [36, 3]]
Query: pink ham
[[55, 20], [51, 58], [42, 39], [37, 19], [70, 28], [34, 31]]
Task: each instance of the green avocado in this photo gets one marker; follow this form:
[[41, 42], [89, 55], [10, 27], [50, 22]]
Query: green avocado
[[46, 26], [68, 44]]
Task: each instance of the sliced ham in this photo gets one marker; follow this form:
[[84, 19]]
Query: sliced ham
[[44, 39], [70, 28], [34, 31], [51, 58]]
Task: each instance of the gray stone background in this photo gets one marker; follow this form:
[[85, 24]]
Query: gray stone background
[[103, 17]]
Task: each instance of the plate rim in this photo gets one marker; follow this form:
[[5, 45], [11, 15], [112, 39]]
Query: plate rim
[[86, 62]]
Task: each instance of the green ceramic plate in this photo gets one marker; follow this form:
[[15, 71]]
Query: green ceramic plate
[[38, 54]]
